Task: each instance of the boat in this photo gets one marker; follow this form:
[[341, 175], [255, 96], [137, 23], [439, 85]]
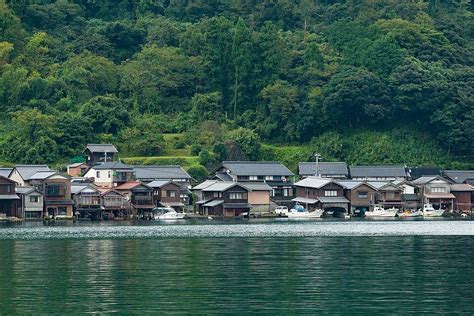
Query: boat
[[167, 213], [299, 211], [430, 211], [410, 213], [379, 211]]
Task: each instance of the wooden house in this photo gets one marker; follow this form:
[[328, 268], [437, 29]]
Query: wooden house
[[463, 194], [378, 173], [31, 204], [9, 200], [167, 194], [361, 195], [388, 194], [139, 195], [224, 198], [99, 153], [56, 191], [114, 202], [436, 191], [321, 193], [22, 174], [87, 200]]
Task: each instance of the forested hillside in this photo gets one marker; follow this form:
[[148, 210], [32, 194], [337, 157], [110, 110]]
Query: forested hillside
[[305, 72]]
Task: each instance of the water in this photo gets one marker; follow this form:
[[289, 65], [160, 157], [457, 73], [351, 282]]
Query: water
[[271, 267]]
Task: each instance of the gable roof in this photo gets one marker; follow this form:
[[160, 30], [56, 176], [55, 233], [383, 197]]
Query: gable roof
[[325, 168], [353, 184], [427, 179], [223, 176], [77, 164], [257, 186], [26, 190], [112, 165], [461, 187], [417, 172], [204, 184], [131, 185], [101, 148], [257, 168], [316, 182], [7, 179], [5, 172], [26, 171], [459, 176], [378, 172], [41, 175], [221, 186], [160, 172], [161, 183]]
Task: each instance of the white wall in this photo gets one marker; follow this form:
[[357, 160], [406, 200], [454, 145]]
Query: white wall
[[105, 176]]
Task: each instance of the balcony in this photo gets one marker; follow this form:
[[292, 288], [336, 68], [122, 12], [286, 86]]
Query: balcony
[[142, 200]]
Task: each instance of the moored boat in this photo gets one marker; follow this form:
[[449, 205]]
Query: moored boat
[[166, 213], [410, 213], [299, 211], [379, 211], [430, 211]]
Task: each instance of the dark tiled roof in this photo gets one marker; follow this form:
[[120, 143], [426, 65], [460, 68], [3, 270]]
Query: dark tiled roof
[[257, 186], [113, 165], [378, 172], [5, 172], [427, 179], [158, 172], [26, 171], [461, 187], [223, 176], [257, 168], [101, 148], [325, 168], [417, 172], [459, 176]]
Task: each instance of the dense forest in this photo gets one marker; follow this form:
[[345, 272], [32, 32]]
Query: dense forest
[[303, 72]]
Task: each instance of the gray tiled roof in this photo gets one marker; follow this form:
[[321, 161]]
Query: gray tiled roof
[[325, 168], [223, 176], [257, 168], [24, 190], [378, 172], [257, 186], [314, 182], [158, 172], [158, 183], [426, 179], [26, 171], [459, 176], [101, 148], [219, 186], [112, 165], [5, 172], [204, 184], [41, 175]]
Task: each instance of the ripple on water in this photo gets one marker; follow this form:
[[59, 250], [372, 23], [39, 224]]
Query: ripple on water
[[249, 229]]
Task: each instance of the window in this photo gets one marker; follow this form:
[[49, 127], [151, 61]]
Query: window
[[109, 174], [362, 195], [97, 174], [330, 193], [438, 190], [217, 194], [253, 177], [170, 193], [34, 199], [268, 177], [236, 196], [390, 195], [54, 190]]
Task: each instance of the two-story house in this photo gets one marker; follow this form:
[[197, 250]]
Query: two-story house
[[99, 153], [464, 194], [56, 190], [224, 198], [110, 174], [360, 194], [335, 170], [321, 193], [9, 200], [378, 173], [388, 194], [139, 195], [166, 193], [87, 199], [31, 203], [275, 174], [114, 202], [22, 174], [436, 191]]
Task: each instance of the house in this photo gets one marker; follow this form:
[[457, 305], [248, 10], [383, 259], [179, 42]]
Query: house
[[224, 198], [388, 194], [31, 203], [21, 174], [460, 176], [361, 194], [197, 190], [436, 191], [336, 170], [378, 173], [175, 173], [77, 169], [166, 193], [99, 153], [410, 199], [276, 175], [56, 191], [321, 193], [9, 200], [259, 196], [463, 193], [111, 174], [114, 202], [139, 195], [87, 199]]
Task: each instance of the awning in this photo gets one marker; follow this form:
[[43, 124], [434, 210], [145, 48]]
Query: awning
[[202, 202], [237, 205], [440, 196], [333, 199], [9, 197], [305, 200], [213, 203]]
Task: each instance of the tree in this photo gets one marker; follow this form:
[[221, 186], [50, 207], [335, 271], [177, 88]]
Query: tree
[[248, 141], [106, 114], [208, 106]]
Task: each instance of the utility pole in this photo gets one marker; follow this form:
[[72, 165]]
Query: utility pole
[[317, 156]]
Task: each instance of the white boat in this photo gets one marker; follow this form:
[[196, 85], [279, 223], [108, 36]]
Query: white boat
[[430, 211], [300, 212], [281, 210], [413, 213], [379, 211], [166, 213]]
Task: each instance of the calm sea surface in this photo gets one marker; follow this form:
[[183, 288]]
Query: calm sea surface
[[238, 267]]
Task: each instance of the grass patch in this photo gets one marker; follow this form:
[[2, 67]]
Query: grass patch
[[184, 161]]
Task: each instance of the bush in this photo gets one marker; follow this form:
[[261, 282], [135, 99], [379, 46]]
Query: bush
[[195, 149], [198, 172]]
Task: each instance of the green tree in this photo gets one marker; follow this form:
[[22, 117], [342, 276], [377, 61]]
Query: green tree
[[248, 141]]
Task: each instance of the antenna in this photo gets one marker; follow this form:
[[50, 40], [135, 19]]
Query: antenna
[[317, 157]]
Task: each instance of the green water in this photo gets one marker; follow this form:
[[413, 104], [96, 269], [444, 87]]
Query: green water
[[177, 269]]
